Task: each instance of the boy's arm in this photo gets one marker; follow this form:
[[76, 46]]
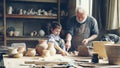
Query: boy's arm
[[64, 53]]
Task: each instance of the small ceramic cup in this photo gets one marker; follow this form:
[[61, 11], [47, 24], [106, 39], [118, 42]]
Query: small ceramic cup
[[45, 53], [21, 49], [16, 33], [11, 33]]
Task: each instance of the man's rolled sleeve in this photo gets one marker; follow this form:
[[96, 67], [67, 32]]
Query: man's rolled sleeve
[[70, 27], [95, 29]]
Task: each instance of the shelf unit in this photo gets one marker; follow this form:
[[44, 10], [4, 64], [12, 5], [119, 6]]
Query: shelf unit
[[49, 1], [26, 38], [1, 23], [30, 16], [25, 21]]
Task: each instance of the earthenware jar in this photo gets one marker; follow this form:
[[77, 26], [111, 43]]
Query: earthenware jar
[[41, 33], [42, 45], [12, 51], [51, 48], [10, 10], [31, 52], [16, 33], [45, 53], [11, 33], [21, 49]]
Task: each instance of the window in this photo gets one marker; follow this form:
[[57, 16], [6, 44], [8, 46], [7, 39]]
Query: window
[[87, 4]]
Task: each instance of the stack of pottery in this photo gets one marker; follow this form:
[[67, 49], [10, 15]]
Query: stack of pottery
[[50, 51], [45, 48], [12, 52], [42, 45]]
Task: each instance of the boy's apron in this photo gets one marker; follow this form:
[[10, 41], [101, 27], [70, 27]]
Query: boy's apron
[[61, 43]]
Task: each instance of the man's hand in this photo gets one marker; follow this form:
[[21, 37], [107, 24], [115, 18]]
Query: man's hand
[[68, 41], [68, 45], [85, 42]]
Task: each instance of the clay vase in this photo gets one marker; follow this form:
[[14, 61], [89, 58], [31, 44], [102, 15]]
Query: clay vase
[[31, 52], [21, 49], [45, 53], [42, 45], [41, 33], [51, 48], [12, 51], [11, 33]]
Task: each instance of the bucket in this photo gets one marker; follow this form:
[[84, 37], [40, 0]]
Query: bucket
[[113, 53]]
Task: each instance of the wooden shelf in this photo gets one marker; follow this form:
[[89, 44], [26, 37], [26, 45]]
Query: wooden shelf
[[31, 16], [52, 1], [24, 38], [49, 1], [25, 20]]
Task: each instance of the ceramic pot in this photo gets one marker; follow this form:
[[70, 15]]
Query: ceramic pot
[[51, 48], [16, 33], [21, 49], [41, 33], [12, 51], [42, 45], [45, 53], [31, 52], [11, 33], [10, 9]]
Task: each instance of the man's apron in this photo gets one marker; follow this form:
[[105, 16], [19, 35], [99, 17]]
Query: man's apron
[[79, 34]]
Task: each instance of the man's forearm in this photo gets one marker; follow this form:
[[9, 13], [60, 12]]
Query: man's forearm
[[92, 37], [68, 37]]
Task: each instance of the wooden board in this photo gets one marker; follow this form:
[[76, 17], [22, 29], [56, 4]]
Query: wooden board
[[57, 59], [45, 62]]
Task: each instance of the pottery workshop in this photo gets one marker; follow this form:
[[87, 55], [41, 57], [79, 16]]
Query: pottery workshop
[[59, 33]]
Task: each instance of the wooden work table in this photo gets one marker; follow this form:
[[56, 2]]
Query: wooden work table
[[79, 62]]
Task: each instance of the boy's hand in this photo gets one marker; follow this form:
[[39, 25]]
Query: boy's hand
[[64, 53]]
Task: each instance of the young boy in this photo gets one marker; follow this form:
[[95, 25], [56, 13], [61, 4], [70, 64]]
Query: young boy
[[54, 37]]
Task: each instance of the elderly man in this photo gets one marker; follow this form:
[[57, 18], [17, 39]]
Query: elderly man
[[81, 29]]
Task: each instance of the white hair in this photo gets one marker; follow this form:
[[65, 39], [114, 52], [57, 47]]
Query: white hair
[[80, 9]]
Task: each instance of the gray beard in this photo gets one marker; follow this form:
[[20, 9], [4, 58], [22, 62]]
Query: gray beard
[[81, 21]]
